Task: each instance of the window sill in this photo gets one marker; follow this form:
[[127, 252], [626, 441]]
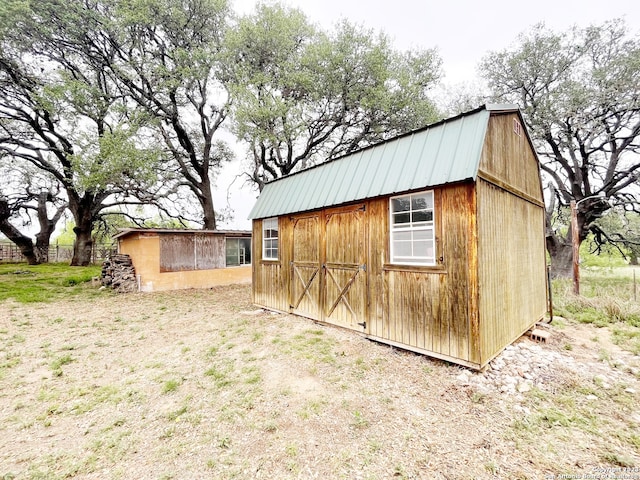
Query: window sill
[[269, 261], [436, 269]]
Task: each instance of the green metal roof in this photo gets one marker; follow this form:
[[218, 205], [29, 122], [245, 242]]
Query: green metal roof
[[445, 152]]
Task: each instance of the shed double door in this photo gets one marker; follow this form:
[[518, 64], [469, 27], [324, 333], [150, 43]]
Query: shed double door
[[328, 268]]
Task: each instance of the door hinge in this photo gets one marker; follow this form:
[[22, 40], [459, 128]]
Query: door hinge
[[363, 267], [363, 325]]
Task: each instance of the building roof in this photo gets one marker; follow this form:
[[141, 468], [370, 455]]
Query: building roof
[[445, 152], [128, 231]]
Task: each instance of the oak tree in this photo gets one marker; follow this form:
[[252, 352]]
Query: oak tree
[[302, 95], [580, 95]]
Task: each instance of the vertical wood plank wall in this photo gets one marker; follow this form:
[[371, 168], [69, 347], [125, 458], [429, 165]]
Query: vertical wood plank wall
[[513, 277], [426, 308], [270, 280], [509, 157], [511, 250]]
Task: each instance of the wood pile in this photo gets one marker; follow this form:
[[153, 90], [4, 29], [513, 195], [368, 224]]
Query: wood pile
[[118, 273]]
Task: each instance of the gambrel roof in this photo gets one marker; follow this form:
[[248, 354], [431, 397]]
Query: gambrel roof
[[445, 152]]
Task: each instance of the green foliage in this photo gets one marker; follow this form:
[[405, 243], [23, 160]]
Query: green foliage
[[66, 237], [617, 234], [580, 94], [302, 95], [116, 158], [45, 283], [606, 256], [66, 114]]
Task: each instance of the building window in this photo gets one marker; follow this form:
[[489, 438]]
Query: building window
[[270, 239], [412, 229], [238, 251]]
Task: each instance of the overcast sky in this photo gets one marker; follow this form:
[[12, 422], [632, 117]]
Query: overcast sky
[[462, 31]]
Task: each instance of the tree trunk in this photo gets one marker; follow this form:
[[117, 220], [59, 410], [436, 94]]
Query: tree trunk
[[47, 225], [209, 217], [83, 244], [84, 210], [560, 248], [561, 253], [82, 247], [206, 201], [562, 262], [24, 243]]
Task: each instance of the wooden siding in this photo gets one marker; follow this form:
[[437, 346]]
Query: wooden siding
[[176, 253], [512, 276], [508, 158], [210, 251], [270, 279], [181, 252], [378, 223], [426, 308]]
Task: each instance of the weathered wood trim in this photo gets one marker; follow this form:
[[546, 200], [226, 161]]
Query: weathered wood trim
[[269, 262], [429, 353], [487, 177], [473, 326], [435, 269]]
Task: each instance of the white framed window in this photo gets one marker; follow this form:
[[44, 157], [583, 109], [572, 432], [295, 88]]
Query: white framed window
[[270, 239], [412, 229]]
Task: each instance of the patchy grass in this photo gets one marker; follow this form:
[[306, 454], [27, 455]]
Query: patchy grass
[[56, 365], [606, 296], [627, 338], [44, 283], [184, 385]]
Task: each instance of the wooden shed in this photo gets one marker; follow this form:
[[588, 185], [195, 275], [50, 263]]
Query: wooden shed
[[168, 259], [432, 241]]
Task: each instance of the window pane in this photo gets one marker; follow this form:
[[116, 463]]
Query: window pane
[[269, 241], [404, 236], [422, 216], [402, 249], [426, 234], [231, 247], [245, 251], [270, 233], [422, 248], [401, 218], [401, 204], [419, 203], [412, 229]]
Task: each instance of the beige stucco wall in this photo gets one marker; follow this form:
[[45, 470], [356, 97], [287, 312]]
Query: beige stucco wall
[[144, 250]]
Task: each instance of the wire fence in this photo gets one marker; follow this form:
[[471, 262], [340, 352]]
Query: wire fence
[[57, 253]]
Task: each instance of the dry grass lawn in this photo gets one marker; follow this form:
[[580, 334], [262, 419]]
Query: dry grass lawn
[[198, 385]]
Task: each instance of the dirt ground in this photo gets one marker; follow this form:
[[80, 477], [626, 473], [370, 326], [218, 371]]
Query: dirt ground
[[201, 385]]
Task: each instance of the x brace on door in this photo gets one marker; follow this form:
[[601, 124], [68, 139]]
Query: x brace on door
[[306, 286], [343, 291]]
